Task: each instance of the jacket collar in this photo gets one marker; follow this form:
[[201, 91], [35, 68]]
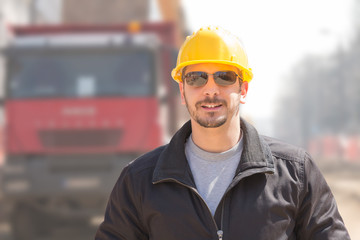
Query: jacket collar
[[172, 163]]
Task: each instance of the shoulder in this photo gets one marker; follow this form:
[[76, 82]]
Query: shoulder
[[294, 160], [145, 162], [286, 151], [139, 172]]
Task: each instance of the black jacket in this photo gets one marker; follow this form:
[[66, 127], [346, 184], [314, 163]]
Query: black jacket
[[277, 193]]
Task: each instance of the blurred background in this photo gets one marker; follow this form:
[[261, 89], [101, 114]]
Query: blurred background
[[86, 87]]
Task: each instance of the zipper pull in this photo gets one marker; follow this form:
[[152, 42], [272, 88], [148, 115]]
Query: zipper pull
[[220, 234]]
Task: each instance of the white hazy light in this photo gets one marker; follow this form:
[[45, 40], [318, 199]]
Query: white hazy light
[[276, 35]]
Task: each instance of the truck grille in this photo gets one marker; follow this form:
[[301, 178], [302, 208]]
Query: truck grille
[[80, 138]]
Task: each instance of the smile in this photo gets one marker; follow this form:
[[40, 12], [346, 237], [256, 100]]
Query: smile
[[211, 106]]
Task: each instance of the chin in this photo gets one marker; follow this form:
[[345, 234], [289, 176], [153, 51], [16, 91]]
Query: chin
[[212, 123]]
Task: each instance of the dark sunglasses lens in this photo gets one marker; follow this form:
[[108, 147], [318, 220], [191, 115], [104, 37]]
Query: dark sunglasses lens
[[196, 79], [225, 78]]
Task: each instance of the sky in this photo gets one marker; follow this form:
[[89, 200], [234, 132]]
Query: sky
[[276, 34]]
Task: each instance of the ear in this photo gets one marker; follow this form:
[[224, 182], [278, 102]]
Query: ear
[[182, 93], [244, 90]]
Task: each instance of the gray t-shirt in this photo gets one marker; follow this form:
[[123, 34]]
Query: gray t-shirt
[[213, 172]]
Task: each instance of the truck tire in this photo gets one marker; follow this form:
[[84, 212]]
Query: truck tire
[[25, 223]]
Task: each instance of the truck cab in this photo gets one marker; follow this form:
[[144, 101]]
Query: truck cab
[[80, 104]]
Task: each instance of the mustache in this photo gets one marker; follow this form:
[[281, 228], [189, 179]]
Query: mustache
[[214, 101]]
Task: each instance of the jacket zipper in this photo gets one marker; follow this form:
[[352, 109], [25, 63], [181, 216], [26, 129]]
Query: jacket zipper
[[219, 232]]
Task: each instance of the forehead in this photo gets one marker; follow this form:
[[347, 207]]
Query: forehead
[[210, 67]]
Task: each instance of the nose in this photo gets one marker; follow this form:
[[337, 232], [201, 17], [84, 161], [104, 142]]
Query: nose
[[211, 88]]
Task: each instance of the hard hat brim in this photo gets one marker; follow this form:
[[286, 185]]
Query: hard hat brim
[[176, 72]]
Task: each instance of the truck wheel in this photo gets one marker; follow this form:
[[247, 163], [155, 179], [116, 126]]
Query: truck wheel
[[25, 223]]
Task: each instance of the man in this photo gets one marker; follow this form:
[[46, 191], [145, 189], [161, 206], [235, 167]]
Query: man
[[218, 178]]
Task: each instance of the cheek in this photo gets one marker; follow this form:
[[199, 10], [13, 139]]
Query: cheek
[[188, 95], [234, 98]]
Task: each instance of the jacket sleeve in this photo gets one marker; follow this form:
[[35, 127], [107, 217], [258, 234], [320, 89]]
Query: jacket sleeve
[[318, 217], [121, 220]]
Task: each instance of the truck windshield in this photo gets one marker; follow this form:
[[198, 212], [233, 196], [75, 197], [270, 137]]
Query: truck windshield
[[80, 74]]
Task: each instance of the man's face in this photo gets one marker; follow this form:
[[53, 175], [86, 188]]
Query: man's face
[[212, 105]]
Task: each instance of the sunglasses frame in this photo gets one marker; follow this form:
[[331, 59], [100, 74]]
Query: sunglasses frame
[[217, 80]]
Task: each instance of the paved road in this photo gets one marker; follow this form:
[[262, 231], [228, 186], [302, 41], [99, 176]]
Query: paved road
[[344, 181]]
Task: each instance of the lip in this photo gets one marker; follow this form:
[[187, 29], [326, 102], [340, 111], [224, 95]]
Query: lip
[[211, 107]]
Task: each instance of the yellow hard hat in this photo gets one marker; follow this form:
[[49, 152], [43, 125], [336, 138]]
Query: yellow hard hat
[[212, 45]]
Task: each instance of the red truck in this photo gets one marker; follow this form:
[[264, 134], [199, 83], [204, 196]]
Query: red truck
[[81, 102]]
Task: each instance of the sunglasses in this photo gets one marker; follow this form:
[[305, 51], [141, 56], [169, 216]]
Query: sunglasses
[[222, 78]]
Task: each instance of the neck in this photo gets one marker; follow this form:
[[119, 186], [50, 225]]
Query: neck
[[218, 139]]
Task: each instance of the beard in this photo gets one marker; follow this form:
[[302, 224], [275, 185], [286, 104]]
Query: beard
[[210, 120]]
